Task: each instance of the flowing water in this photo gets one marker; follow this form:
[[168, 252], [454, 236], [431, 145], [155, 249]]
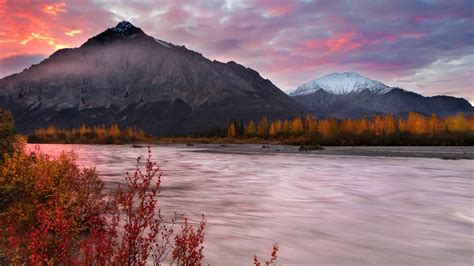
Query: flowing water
[[321, 210]]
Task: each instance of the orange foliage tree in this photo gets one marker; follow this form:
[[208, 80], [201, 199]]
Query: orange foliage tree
[[415, 129], [85, 134]]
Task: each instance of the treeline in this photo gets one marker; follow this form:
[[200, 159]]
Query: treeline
[[416, 129], [96, 134]]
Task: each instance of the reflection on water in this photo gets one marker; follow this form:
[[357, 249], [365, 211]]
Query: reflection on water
[[335, 210]]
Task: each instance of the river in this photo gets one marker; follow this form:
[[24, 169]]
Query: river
[[320, 209]]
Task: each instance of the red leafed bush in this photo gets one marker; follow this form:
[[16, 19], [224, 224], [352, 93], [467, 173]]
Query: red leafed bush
[[46, 204], [189, 244], [133, 229], [272, 260], [49, 241]]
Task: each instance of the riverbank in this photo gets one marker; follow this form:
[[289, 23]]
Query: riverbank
[[440, 152]]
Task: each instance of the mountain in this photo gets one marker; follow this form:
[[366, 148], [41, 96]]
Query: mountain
[[342, 83], [351, 95], [124, 76]]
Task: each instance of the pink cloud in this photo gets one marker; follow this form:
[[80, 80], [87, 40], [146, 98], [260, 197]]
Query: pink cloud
[[288, 42], [280, 10], [336, 43]]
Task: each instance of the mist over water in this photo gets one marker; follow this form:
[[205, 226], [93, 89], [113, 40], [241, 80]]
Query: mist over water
[[331, 210]]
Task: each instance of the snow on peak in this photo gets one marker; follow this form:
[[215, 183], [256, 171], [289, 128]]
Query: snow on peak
[[122, 27], [341, 83]]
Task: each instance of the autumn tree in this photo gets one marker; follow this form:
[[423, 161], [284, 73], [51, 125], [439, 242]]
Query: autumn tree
[[308, 122], [347, 126], [231, 131], [82, 130], [388, 124], [100, 131], [275, 128], [457, 123], [286, 128], [51, 130], [297, 126], [324, 127], [433, 125], [362, 126], [250, 130], [263, 127], [7, 132], [312, 127], [402, 125], [416, 123], [139, 134], [114, 131], [378, 126]]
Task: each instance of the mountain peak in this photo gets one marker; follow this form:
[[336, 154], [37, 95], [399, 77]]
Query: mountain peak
[[123, 30], [123, 27], [342, 83]]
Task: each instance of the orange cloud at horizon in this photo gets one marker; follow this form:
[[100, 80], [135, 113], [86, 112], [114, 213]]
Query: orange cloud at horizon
[[73, 32], [44, 38], [42, 28], [54, 9]]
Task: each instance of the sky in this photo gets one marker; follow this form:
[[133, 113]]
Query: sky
[[426, 46]]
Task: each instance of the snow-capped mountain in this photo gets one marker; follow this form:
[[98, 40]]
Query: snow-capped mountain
[[349, 94], [342, 83]]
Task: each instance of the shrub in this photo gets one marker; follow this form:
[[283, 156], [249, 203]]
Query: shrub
[[145, 234], [189, 244], [7, 132], [273, 257], [49, 204], [29, 179], [49, 241]]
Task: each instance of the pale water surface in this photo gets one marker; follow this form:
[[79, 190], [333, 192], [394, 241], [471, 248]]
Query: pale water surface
[[321, 210]]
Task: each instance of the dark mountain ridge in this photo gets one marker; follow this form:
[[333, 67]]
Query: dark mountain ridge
[[124, 76]]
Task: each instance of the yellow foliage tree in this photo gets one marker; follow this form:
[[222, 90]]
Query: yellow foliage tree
[[51, 130], [231, 131], [389, 124], [114, 131], [286, 127], [275, 128], [458, 123], [378, 126], [250, 130], [297, 126], [362, 126], [347, 126], [263, 127], [82, 130], [325, 128]]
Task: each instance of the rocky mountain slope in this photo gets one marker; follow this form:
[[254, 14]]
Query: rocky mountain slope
[[125, 76], [350, 95]]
